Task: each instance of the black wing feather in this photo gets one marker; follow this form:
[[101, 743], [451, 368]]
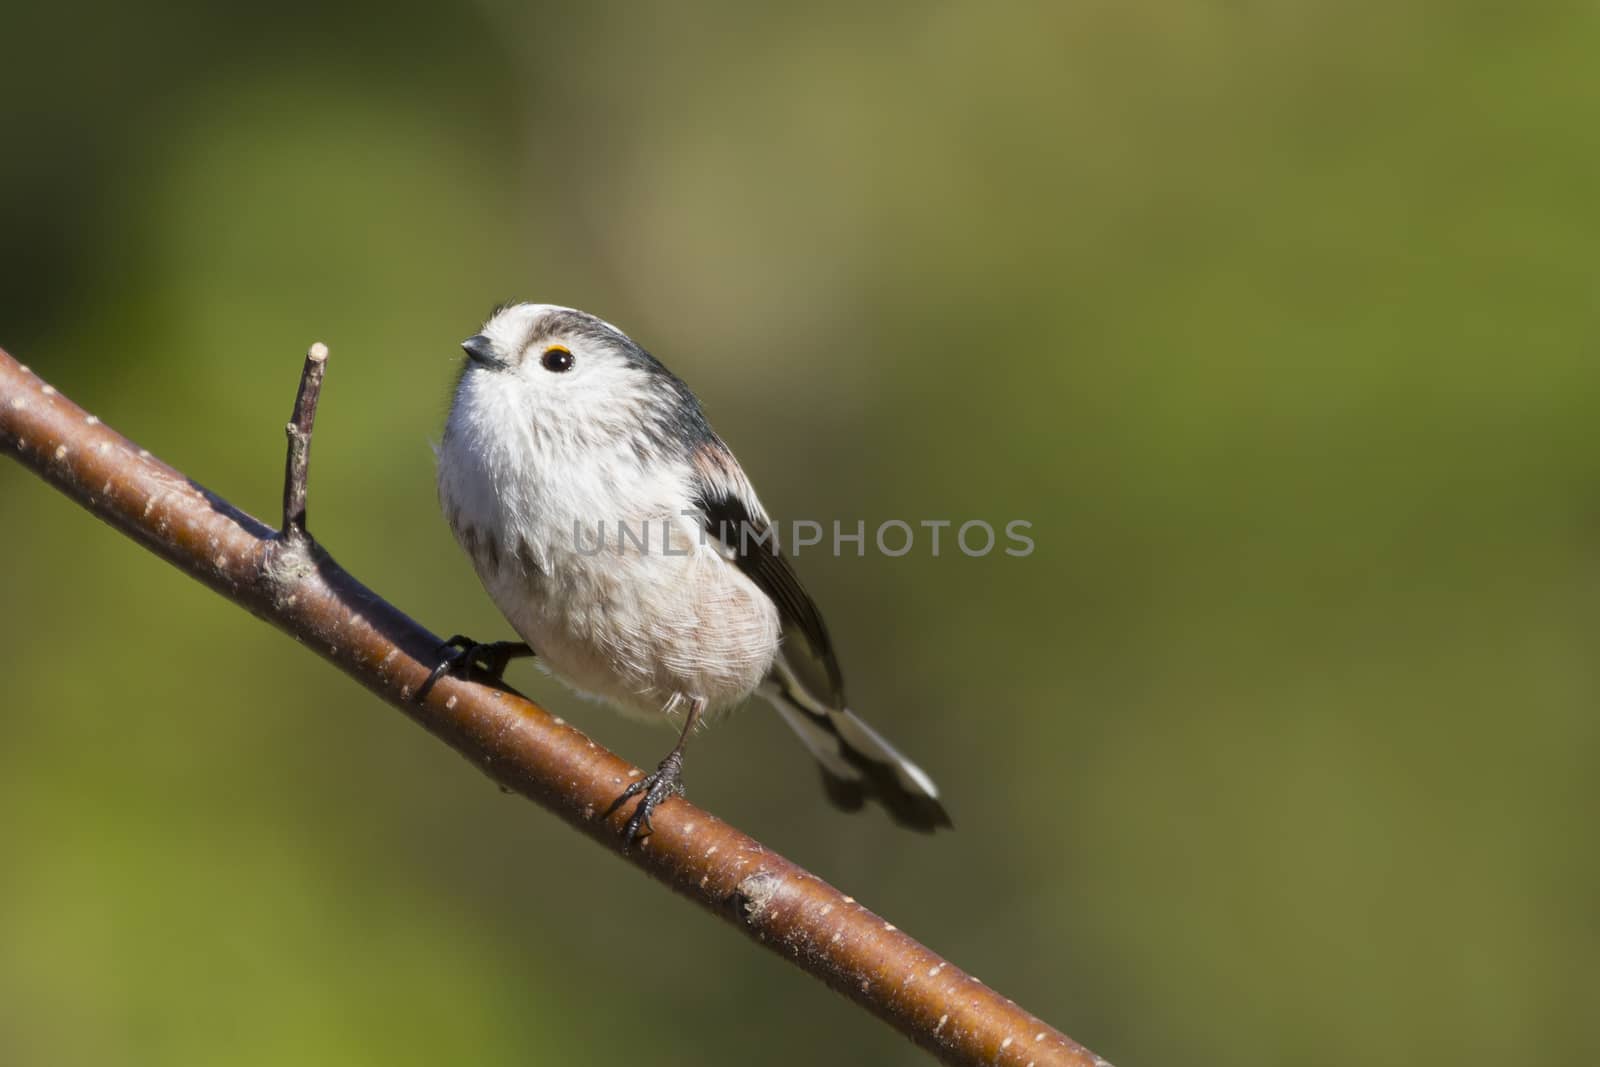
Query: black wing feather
[[756, 554]]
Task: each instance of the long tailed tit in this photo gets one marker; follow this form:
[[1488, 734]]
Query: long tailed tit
[[619, 536]]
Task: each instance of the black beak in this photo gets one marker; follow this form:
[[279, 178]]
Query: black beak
[[480, 349]]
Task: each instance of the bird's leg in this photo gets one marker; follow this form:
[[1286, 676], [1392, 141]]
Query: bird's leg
[[468, 654], [665, 781]]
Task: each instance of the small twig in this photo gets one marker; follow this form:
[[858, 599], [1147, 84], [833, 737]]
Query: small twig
[[297, 463], [518, 744]]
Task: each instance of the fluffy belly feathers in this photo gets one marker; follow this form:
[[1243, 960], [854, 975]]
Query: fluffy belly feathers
[[642, 630]]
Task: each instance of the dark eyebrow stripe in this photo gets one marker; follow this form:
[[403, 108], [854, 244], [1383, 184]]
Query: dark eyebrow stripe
[[577, 324]]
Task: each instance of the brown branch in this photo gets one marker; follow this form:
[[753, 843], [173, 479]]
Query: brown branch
[[291, 582], [297, 459]]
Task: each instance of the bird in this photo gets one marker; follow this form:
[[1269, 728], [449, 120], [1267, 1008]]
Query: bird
[[621, 539]]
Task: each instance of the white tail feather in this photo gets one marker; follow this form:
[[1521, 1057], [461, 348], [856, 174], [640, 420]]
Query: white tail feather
[[856, 760]]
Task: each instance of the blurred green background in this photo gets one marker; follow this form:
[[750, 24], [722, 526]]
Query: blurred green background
[[1278, 321]]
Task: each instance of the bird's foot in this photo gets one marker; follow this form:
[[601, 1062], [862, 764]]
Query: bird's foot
[[665, 781], [468, 655]]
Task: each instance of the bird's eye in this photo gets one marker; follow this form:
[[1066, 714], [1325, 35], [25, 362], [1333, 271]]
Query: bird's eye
[[556, 359]]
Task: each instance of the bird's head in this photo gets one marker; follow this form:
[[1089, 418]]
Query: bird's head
[[566, 375]]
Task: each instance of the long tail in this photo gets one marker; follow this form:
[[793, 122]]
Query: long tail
[[856, 762]]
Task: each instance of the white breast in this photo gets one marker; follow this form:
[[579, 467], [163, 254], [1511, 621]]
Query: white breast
[[638, 627]]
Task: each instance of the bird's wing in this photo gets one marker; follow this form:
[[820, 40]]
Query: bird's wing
[[734, 517]]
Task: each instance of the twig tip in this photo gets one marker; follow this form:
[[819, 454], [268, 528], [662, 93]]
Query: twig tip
[[317, 352]]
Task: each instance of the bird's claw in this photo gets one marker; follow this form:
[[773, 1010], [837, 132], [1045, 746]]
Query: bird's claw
[[490, 658], [665, 781]]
